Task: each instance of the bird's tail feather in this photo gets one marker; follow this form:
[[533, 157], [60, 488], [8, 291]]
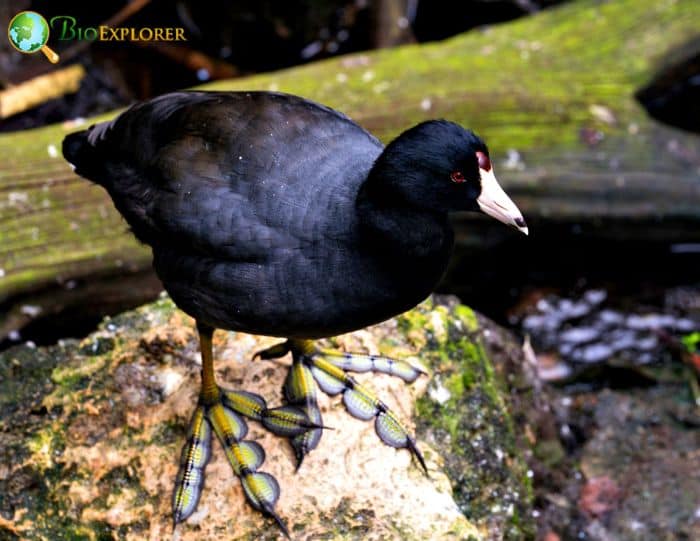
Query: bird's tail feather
[[82, 150]]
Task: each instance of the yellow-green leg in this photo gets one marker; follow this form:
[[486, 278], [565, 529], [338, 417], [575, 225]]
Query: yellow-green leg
[[313, 367], [221, 411]]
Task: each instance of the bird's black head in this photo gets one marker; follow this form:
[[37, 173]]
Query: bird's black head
[[441, 167]]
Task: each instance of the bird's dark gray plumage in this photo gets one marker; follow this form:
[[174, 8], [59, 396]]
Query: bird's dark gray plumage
[[250, 202], [274, 215]]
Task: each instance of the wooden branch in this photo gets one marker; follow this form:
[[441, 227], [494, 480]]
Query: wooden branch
[[40, 89]]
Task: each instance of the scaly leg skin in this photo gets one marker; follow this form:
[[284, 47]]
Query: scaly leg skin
[[223, 411], [328, 369]]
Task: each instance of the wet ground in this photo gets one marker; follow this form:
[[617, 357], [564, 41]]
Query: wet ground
[[615, 415], [619, 464]]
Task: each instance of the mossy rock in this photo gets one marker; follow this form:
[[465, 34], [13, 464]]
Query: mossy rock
[[91, 433]]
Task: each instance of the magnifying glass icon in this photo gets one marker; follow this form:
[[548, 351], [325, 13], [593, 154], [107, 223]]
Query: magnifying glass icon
[[29, 32]]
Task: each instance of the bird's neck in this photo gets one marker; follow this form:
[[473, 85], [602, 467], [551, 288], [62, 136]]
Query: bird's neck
[[397, 229]]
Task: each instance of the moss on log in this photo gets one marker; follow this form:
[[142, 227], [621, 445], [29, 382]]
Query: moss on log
[[90, 436], [557, 87]]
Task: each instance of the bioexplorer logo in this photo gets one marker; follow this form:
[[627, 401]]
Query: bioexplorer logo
[[29, 32], [67, 28]]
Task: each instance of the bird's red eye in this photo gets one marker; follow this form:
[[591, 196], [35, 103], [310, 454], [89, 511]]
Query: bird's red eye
[[457, 176], [484, 161]]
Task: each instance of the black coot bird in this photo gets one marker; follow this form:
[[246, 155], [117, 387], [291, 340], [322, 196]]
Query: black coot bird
[[270, 214]]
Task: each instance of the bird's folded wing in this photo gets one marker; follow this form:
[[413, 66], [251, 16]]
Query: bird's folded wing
[[234, 175], [200, 202]]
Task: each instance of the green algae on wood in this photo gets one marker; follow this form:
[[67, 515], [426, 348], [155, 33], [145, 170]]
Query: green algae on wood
[[92, 430]]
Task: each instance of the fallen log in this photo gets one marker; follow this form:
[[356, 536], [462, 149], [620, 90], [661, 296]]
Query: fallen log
[[553, 94], [40, 89]]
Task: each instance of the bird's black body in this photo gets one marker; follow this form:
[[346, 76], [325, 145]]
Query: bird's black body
[[270, 214], [261, 214]]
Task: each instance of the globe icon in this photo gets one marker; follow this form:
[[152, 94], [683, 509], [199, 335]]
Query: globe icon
[[28, 33]]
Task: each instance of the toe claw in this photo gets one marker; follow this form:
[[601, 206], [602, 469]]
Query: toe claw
[[392, 433], [304, 443], [280, 523], [262, 492], [419, 456]]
